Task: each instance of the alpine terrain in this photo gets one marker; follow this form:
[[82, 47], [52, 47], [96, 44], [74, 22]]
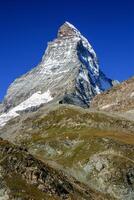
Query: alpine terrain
[[66, 129]]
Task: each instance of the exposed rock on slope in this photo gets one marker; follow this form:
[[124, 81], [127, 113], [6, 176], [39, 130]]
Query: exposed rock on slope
[[68, 71], [119, 99], [95, 148], [24, 177]]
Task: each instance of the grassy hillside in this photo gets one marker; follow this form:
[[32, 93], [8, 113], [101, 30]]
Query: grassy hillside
[[96, 148]]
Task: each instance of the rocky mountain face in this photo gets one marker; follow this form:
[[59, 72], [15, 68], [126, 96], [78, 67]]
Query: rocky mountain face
[[52, 145], [69, 72]]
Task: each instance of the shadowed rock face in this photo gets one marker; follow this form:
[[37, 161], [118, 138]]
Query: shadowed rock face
[[69, 70]]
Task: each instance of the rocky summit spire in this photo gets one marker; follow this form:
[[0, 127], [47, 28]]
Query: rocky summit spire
[[67, 30], [68, 73]]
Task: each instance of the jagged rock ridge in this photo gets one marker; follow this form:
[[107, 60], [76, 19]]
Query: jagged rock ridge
[[68, 73]]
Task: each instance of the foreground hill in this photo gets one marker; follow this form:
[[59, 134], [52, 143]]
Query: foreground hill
[[93, 147], [22, 176]]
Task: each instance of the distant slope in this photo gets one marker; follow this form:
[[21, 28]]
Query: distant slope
[[120, 98]]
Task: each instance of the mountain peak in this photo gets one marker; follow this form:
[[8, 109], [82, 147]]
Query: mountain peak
[[67, 30], [68, 73]]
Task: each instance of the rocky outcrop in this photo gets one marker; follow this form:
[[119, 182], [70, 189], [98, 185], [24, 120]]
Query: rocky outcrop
[[118, 99], [16, 161]]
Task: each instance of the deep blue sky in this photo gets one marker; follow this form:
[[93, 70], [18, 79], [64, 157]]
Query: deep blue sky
[[27, 25]]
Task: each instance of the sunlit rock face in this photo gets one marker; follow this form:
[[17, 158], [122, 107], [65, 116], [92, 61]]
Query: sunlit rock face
[[119, 99], [69, 71]]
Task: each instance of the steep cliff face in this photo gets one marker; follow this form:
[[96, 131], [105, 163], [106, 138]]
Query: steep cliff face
[[69, 72]]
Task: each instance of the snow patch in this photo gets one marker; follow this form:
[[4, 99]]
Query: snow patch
[[35, 100], [84, 76], [97, 89]]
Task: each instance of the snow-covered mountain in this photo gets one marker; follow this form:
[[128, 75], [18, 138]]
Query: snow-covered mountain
[[68, 73]]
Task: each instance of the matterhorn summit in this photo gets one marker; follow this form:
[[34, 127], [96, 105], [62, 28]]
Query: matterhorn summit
[[68, 73]]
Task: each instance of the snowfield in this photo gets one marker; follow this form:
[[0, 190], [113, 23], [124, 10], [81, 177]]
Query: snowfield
[[35, 100]]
